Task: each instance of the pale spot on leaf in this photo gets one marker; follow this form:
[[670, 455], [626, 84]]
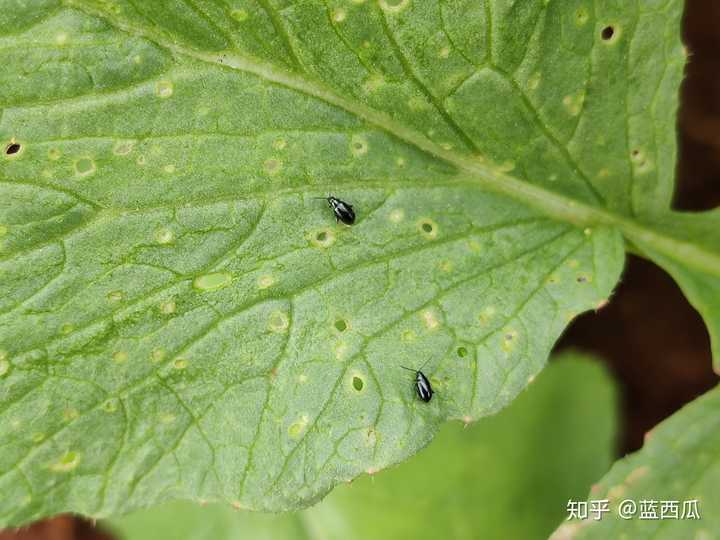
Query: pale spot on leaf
[[67, 462], [164, 89], [430, 319], [212, 282], [296, 428]]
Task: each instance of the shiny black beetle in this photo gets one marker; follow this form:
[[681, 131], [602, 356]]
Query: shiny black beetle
[[422, 385], [343, 211]]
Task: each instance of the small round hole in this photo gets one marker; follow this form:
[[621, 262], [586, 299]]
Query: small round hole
[[428, 228], [341, 325], [321, 236], [12, 148], [358, 383], [607, 33], [462, 352]]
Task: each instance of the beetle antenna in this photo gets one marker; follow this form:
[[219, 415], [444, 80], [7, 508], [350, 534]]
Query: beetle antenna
[[424, 364], [413, 370]]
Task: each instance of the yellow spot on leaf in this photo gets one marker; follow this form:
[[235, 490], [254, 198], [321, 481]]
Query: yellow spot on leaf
[[358, 146], [180, 363], [339, 15], [534, 81], [394, 6], [279, 321], [509, 339], [265, 282], [296, 428], [164, 236], [239, 15], [397, 215], [486, 314], [164, 89], [211, 282], [573, 104], [373, 82], [637, 474], [115, 296], [430, 319], [4, 367], [110, 406], [66, 463]]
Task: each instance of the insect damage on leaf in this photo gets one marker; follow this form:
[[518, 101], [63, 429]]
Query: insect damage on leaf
[[167, 274]]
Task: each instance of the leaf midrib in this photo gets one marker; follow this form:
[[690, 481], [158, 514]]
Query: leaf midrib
[[550, 203]]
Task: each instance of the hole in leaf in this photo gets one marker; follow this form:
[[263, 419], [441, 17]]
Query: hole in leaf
[[462, 352], [428, 228], [12, 148], [321, 236], [358, 383], [607, 33], [341, 325]]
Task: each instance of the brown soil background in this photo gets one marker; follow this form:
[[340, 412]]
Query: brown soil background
[[652, 340]]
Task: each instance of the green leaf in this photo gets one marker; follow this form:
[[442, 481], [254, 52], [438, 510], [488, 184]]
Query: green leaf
[[509, 476], [679, 462], [180, 318]]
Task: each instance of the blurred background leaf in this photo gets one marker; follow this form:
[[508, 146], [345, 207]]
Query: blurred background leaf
[[679, 463], [508, 476]]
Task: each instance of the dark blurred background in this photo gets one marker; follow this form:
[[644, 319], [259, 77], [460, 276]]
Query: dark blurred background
[[652, 340]]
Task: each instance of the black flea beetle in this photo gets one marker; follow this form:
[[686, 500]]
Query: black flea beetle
[[343, 211], [422, 385]]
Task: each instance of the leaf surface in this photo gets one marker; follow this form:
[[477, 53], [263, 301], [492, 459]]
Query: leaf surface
[[181, 318], [509, 476]]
